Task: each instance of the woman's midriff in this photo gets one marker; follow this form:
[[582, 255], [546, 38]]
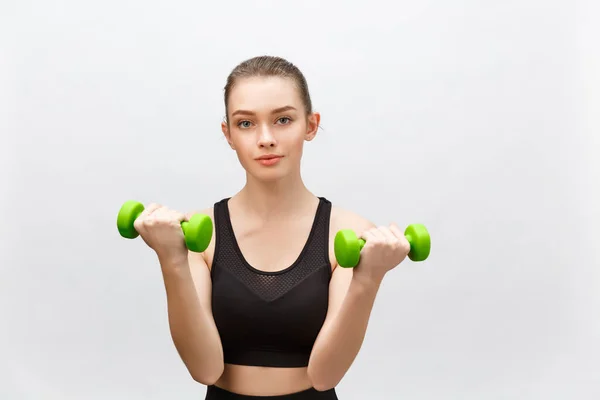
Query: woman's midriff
[[263, 381]]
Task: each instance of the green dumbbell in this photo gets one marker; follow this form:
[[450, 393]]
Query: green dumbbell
[[347, 245], [197, 231]]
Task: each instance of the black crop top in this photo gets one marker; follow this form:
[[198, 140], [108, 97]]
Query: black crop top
[[270, 319]]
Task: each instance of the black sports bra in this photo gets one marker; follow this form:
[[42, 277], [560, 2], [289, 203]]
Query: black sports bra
[[270, 319]]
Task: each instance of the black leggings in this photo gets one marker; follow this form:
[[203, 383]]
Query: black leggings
[[216, 393]]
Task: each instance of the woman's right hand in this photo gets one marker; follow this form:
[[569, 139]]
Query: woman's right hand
[[160, 228]]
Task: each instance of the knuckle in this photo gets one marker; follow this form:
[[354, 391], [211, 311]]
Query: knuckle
[[149, 221]]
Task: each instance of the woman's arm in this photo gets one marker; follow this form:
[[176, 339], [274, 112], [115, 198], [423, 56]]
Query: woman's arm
[[193, 330], [351, 297], [344, 329], [194, 333]]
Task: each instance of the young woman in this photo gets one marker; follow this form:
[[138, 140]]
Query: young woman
[[265, 311]]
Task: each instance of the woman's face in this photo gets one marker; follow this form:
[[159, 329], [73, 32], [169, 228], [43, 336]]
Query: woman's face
[[267, 126]]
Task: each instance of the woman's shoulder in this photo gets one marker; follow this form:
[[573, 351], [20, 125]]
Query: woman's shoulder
[[343, 218], [210, 211], [206, 211]]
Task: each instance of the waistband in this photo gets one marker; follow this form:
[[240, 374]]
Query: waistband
[[217, 393]]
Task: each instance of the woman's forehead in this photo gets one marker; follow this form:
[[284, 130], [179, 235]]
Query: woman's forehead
[[264, 93]]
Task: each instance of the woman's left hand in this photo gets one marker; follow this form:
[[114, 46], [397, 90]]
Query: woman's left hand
[[385, 248]]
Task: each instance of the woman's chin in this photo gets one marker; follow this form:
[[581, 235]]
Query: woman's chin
[[269, 174]]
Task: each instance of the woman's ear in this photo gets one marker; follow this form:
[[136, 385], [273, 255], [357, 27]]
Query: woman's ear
[[313, 121], [225, 130]]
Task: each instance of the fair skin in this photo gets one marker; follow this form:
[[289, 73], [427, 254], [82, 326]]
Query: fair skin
[[267, 116]]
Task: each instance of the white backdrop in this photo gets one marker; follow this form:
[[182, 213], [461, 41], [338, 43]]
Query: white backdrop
[[478, 119]]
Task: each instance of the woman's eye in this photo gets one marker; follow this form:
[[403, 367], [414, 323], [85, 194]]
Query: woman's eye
[[284, 120], [244, 124]]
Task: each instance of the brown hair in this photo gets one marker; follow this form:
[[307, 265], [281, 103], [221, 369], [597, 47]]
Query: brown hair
[[268, 66]]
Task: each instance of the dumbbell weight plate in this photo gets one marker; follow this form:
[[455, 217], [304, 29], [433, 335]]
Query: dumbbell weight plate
[[128, 213], [420, 242], [198, 231], [347, 248]]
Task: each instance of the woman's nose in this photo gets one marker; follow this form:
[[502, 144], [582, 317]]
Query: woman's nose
[[266, 138]]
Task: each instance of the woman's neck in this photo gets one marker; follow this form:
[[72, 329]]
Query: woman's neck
[[277, 199]]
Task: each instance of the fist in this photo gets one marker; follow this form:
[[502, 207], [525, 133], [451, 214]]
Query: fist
[[160, 228], [385, 248]]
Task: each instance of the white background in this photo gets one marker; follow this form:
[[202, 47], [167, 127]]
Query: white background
[[478, 119]]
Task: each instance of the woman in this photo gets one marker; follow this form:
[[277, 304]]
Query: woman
[[265, 311]]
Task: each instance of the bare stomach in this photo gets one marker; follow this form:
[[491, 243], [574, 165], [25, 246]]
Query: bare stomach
[[263, 381]]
